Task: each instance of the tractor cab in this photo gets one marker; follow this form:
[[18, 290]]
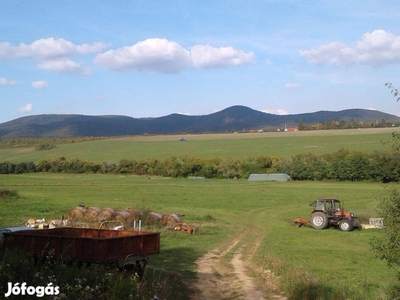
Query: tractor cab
[[330, 206]]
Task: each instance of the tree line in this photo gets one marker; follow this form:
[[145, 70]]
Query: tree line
[[43, 143], [343, 124], [342, 165]]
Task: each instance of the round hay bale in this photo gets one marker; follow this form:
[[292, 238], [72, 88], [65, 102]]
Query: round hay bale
[[170, 220], [177, 217], [77, 213], [82, 225], [154, 217], [106, 214], [123, 215], [92, 213]]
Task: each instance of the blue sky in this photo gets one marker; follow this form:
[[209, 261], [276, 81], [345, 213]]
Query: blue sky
[[154, 58]]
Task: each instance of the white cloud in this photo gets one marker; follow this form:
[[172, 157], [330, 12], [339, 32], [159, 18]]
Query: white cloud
[[290, 85], [161, 55], [206, 56], [279, 111], [27, 108], [5, 81], [40, 84], [48, 48], [64, 66], [6, 51], [156, 54], [376, 48], [52, 54]]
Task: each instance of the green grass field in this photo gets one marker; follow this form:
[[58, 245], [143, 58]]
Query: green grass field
[[239, 145], [310, 264], [222, 209]]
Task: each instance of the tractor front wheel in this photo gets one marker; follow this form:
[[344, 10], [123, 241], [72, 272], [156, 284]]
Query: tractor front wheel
[[345, 225], [319, 220]]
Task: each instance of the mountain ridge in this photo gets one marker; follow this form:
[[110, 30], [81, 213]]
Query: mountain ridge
[[234, 118]]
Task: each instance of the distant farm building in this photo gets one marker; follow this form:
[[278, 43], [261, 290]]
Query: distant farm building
[[290, 128], [279, 177], [196, 177]]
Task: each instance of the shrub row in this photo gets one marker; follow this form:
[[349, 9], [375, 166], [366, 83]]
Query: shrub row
[[341, 165], [172, 167]]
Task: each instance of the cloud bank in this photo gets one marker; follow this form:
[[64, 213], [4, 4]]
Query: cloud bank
[[51, 54], [374, 48], [153, 54], [207, 57], [158, 55], [48, 48], [162, 55]]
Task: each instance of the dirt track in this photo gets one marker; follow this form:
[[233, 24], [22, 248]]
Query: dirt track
[[224, 273]]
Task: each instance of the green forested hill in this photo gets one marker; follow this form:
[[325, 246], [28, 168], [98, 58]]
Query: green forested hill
[[235, 118]]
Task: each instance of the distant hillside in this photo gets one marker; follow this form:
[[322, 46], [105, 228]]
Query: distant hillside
[[235, 118]]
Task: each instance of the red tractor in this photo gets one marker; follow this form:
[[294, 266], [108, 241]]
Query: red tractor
[[329, 212]]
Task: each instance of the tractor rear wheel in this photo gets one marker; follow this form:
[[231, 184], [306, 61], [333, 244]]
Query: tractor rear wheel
[[345, 225], [319, 220]]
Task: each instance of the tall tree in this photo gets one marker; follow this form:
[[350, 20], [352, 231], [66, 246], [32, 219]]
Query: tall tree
[[387, 247], [300, 125]]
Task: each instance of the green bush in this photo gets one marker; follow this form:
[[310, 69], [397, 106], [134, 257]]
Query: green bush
[[46, 146], [80, 281]]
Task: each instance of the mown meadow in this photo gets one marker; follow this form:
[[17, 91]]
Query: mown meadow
[[308, 263]]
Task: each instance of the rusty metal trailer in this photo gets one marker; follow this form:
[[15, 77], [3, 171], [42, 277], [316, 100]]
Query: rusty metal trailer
[[129, 250]]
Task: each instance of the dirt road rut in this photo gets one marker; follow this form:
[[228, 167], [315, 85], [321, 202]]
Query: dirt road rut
[[225, 273]]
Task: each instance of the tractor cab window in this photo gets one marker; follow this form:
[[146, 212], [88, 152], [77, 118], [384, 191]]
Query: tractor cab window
[[330, 207], [333, 206], [336, 204], [318, 205]]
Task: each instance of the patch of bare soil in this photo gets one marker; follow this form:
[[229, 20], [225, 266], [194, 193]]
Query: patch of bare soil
[[223, 276]]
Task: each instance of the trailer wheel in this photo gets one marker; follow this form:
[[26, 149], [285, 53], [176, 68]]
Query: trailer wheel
[[137, 267], [319, 220], [345, 225], [133, 269]]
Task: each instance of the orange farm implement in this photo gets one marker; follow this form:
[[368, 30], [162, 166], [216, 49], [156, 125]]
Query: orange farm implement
[[298, 222]]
